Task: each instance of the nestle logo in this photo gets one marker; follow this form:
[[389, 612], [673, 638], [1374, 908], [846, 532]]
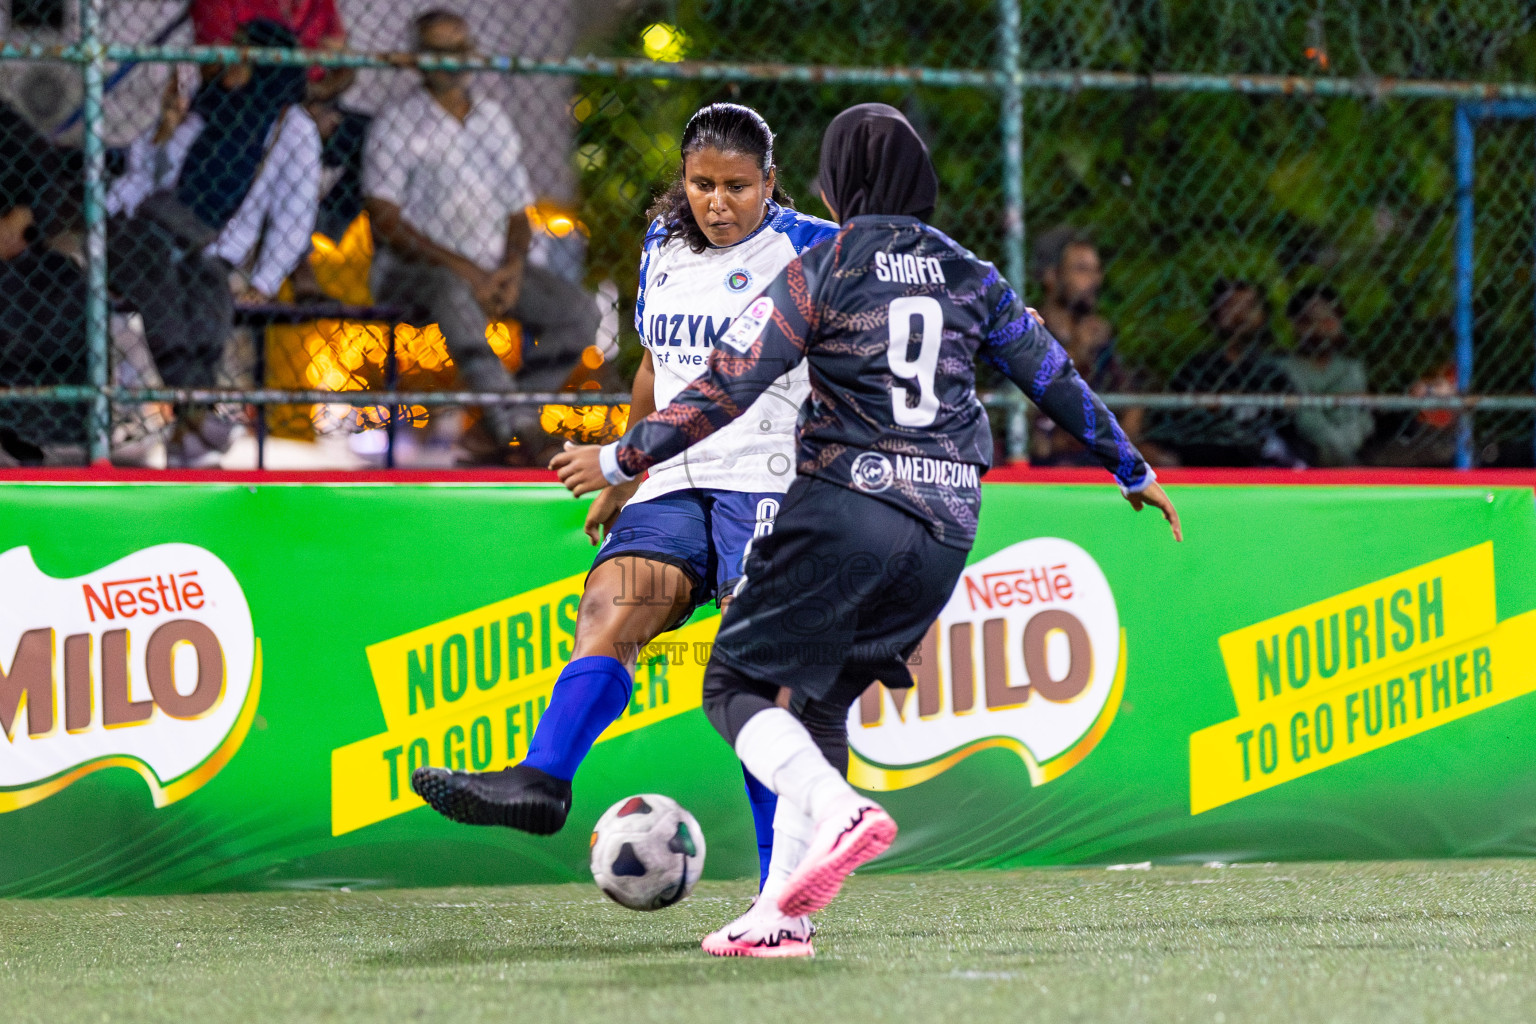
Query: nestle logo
[[1039, 585], [144, 595]]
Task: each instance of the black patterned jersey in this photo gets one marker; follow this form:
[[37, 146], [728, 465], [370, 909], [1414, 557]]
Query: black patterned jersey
[[891, 316]]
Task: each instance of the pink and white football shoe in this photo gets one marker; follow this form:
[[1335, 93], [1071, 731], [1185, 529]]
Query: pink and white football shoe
[[763, 931], [852, 835]]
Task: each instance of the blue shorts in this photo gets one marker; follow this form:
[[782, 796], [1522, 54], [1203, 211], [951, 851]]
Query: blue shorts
[[705, 533]]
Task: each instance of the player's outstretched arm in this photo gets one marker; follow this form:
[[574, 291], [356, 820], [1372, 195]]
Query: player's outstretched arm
[[700, 409], [1022, 348], [766, 341]]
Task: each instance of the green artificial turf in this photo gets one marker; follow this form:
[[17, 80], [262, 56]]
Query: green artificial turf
[[1390, 942]]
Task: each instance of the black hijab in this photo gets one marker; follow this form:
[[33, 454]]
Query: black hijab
[[224, 159], [873, 162]]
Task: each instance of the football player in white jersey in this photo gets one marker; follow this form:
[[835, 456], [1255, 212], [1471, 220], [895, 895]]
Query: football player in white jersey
[[669, 544]]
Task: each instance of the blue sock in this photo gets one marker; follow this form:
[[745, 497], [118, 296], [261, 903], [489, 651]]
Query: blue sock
[[764, 802], [589, 696]]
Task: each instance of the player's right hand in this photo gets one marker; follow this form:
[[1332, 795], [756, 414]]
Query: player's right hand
[[605, 508], [1155, 496], [579, 467]]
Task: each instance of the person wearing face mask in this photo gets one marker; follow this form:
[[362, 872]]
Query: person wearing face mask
[[679, 539], [446, 191]]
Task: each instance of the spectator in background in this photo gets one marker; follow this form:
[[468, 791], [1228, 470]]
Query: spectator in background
[[1318, 366], [24, 172], [1242, 361], [42, 294], [1070, 275], [1424, 438], [343, 132], [316, 25], [446, 192], [31, 170], [42, 302], [233, 177]]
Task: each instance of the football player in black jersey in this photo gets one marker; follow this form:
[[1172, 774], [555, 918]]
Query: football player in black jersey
[[872, 537]]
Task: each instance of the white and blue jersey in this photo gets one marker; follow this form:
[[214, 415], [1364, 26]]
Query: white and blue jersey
[[686, 302], [701, 510]]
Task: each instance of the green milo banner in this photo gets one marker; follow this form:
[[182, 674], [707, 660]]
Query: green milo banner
[[227, 686]]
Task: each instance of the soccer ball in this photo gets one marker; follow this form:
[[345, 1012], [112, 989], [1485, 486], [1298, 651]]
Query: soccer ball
[[647, 852]]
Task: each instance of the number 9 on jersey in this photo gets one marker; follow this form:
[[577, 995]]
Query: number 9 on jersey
[[919, 371]]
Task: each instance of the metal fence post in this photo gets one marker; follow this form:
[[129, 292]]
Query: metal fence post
[[99, 420], [1011, 117], [1011, 122], [1463, 247]]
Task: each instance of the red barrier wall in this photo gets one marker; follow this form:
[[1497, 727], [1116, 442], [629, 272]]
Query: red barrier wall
[[1002, 474]]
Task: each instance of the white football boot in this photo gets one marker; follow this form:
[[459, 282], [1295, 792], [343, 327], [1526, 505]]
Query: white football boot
[[763, 931]]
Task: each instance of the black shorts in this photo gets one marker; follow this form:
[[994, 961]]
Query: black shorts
[[837, 596]]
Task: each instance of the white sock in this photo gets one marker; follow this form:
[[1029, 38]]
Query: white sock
[[776, 748], [792, 832]]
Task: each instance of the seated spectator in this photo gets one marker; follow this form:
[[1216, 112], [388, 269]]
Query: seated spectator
[[343, 132], [42, 329], [1242, 361], [316, 25], [1428, 437], [1070, 275], [1318, 366], [30, 170], [446, 192], [42, 297], [235, 176]]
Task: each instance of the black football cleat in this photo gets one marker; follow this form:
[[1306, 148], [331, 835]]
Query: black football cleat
[[520, 797]]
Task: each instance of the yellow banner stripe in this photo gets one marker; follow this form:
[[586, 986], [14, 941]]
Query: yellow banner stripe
[[370, 779], [1275, 745], [1363, 632]]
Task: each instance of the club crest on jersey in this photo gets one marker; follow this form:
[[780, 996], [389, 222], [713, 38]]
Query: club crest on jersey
[[749, 326], [872, 473], [739, 280]]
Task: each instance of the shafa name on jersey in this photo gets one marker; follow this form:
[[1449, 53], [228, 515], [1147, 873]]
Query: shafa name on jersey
[[905, 268]]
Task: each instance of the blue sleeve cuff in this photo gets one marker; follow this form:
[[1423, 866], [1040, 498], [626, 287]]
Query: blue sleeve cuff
[[608, 460], [1136, 487]]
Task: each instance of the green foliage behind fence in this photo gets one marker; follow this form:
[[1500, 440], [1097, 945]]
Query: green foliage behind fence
[[1187, 174]]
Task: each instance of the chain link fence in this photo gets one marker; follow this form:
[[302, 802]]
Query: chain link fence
[[1273, 232]]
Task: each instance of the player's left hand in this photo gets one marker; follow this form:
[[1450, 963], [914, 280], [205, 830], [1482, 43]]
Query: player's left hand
[[1155, 496], [605, 508], [579, 469]]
